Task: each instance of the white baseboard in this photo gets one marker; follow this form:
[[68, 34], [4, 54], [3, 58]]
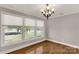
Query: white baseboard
[[70, 45]]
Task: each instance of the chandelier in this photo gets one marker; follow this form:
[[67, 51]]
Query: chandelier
[[47, 11]]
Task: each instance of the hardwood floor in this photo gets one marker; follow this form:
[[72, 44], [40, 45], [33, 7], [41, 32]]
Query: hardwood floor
[[47, 47]]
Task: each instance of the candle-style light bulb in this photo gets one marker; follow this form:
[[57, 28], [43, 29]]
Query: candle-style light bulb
[[42, 10]]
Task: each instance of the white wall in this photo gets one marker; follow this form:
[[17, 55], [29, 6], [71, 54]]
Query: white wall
[[65, 29]]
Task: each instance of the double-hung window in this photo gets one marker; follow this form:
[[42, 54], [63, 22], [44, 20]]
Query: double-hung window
[[29, 28], [40, 28], [12, 28]]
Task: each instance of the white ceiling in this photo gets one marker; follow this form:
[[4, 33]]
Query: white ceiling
[[34, 9]]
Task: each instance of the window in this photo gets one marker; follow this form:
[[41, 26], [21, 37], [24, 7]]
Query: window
[[40, 28], [29, 28], [15, 29], [12, 28]]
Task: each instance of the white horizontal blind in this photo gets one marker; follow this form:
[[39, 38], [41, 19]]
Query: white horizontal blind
[[29, 22], [40, 23], [12, 20], [40, 28]]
